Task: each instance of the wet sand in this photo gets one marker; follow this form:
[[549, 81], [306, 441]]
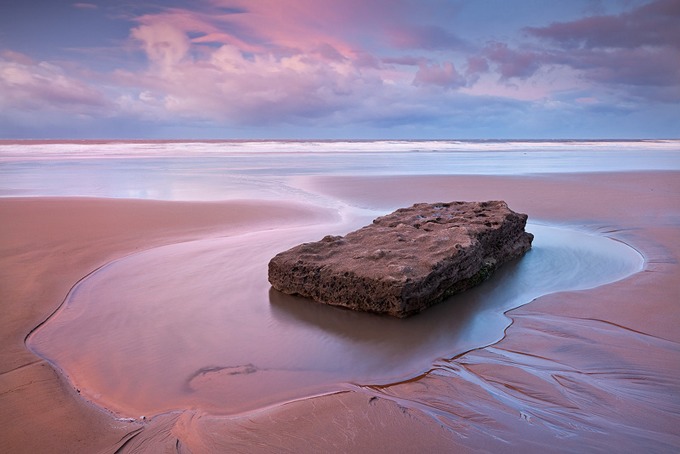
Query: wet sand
[[593, 370], [147, 334]]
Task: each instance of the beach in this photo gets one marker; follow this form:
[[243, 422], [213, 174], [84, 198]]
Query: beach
[[589, 370], [302, 226]]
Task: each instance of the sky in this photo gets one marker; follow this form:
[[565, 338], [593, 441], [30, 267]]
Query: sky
[[339, 69]]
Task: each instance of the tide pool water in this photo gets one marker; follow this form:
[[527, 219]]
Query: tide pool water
[[197, 326]]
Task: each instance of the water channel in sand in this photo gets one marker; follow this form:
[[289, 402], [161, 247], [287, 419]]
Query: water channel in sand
[[196, 325]]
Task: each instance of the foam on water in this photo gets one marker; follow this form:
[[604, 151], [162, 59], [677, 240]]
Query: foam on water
[[167, 148], [234, 169]]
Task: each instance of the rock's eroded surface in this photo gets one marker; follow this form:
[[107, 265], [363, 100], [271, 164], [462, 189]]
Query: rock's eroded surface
[[405, 261]]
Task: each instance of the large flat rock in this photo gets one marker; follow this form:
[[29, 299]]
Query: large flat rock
[[405, 261]]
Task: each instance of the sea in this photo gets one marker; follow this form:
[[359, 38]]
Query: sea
[[227, 169]]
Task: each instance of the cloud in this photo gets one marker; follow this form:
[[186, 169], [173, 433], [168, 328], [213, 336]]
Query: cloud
[[476, 65], [309, 62], [163, 43], [428, 37], [654, 24], [635, 53], [351, 66], [638, 50], [300, 25], [265, 66], [632, 67], [255, 65], [85, 6], [27, 85], [513, 63], [406, 60], [270, 62], [232, 85], [442, 75]]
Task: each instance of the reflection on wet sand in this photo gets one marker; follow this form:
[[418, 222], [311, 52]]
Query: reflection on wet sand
[[220, 340]]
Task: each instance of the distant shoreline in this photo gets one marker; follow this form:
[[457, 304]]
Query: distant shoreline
[[10, 141]]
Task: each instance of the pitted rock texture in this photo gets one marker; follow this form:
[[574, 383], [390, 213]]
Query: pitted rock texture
[[405, 261]]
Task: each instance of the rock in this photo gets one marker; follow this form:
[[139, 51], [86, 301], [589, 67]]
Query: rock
[[405, 261]]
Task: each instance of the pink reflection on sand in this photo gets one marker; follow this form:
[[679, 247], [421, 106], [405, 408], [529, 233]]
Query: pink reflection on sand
[[196, 325]]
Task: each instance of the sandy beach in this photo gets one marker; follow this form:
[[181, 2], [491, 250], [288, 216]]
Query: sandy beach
[[585, 371], [165, 167]]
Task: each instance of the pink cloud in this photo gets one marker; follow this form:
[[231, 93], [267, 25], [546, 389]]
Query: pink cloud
[[296, 26], [230, 84], [85, 6], [266, 60], [476, 65], [302, 25], [163, 43], [16, 57], [274, 27], [34, 86], [513, 63], [444, 75], [544, 84]]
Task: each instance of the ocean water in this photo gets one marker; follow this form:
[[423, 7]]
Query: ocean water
[[218, 170]]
